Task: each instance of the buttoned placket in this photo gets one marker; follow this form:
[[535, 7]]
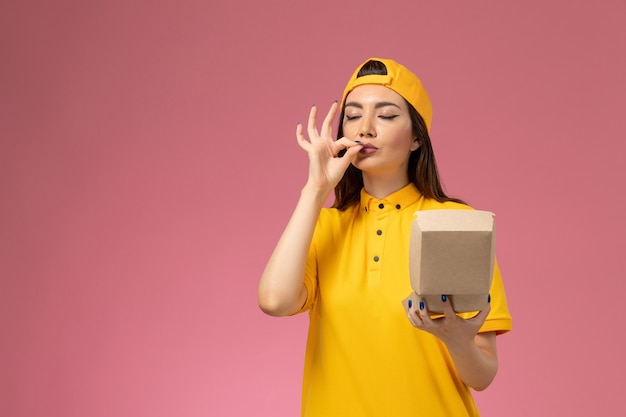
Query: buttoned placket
[[378, 213]]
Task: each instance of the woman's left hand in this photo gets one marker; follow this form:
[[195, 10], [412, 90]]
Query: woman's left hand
[[474, 354], [451, 329]]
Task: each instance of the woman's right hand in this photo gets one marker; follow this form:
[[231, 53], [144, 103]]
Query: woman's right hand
[[326, 167]]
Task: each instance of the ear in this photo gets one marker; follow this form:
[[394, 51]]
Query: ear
[[415, 145]]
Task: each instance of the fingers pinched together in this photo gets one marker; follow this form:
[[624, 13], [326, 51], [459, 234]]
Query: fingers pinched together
[[326, 165]]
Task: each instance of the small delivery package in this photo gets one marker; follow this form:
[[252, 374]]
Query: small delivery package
[[451, 252]]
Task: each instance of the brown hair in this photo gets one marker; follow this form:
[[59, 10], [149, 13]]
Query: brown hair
[[422, 168]]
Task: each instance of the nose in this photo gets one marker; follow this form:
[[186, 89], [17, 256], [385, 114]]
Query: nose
[[366, 128]]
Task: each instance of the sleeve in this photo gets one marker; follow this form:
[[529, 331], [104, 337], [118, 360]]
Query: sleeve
[[499, 319]]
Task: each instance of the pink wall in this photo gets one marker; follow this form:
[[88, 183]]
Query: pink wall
[[148, 165]]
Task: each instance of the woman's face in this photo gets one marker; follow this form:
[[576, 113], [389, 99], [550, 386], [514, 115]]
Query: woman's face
[[379, 118]]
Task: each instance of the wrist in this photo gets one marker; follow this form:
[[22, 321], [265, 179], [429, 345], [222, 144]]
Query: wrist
[[462, 347], [315, 194]]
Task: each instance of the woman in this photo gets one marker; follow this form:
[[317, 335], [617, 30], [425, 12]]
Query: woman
[[348, 265]]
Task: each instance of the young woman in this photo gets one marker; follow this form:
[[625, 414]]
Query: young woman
[[348, 265]]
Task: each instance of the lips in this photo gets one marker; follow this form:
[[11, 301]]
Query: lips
[[368, 148]]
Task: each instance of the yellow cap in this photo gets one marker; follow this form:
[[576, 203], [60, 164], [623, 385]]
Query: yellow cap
[[400, 80]]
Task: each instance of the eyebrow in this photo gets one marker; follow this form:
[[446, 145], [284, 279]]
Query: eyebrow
[[376, 106]]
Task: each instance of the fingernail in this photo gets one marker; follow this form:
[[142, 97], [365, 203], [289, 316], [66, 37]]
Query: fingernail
[[335, 101], [421, 305], [410, 303], [357, 141], [489, 298], [313, 105], [444, 298]]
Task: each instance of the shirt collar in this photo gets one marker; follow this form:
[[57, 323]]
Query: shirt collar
[[398, 200]]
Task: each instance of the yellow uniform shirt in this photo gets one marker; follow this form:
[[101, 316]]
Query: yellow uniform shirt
[[363, 356]]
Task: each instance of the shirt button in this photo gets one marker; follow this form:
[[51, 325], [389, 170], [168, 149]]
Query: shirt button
[[379, 232], [365, 208], [398, 206], [376, 258], [381, 206]]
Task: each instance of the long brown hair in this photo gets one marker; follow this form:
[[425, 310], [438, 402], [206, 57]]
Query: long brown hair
[[422, 168]]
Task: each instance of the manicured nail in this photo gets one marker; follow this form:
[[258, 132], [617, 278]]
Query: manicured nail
[[358, 141], [410, 303], [421, 305], [335, 101], [489, 298], [444, 298], [313, 105]]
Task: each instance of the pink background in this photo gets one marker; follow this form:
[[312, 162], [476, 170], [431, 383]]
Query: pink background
[[148, 165]]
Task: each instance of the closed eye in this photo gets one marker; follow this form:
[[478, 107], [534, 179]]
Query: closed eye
[[389, 117], [352, 117]]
